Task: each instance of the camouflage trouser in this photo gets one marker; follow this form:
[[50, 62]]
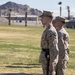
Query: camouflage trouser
[[43, 62], [44, 68], [61, 66]]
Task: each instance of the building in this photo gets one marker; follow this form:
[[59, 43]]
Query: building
[[70, 23], [22, 17], [32, 20]]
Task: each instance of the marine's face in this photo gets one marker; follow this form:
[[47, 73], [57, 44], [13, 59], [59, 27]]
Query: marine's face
[[57, 24], [45, 20]]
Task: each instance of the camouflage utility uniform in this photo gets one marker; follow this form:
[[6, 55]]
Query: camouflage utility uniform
[[49, 40], [63, 45]]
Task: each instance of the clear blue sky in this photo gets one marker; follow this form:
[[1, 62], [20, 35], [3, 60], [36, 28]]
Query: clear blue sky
[[51, 5]]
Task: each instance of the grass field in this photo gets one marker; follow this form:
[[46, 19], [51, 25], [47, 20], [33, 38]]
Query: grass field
[[20, 49]]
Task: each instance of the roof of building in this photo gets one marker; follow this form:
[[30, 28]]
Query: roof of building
[[20, 16]]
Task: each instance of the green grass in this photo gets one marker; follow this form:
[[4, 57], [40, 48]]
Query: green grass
[[20, 49]]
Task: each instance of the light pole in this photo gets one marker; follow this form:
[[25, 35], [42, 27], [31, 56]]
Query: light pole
[[25, 16], [9, 16], [60, 3], [68, 9]]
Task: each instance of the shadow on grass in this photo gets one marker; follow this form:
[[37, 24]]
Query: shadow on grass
[[18, 74], [19, 65]]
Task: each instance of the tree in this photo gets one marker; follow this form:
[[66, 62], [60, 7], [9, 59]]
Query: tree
[[60, 3], [25, 16], [9, 16], [0, 12], [68, 10]]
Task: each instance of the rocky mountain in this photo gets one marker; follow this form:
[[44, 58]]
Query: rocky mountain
[[18, 9]]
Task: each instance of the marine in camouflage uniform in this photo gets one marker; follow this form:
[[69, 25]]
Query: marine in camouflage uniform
[[49, 41], [63, 45]]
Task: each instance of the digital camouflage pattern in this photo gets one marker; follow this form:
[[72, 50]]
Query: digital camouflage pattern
[[49, 40], [63, 45]]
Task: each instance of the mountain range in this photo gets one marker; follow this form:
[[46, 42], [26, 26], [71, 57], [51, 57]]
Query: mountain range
[[18, 9]]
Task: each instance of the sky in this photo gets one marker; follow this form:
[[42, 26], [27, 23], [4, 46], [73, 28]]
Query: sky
[[49, 5]]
